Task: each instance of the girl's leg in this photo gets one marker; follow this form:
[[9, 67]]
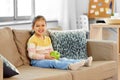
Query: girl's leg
[[71, 60], [88, 61], [57, 64], [66, 64], [62, 63], [50, 64]]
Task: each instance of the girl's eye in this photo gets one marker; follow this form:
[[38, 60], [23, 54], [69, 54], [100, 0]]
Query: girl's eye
[[37, 25], [43, 25]]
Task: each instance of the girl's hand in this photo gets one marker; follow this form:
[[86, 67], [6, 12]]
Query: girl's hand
[[47, 56]]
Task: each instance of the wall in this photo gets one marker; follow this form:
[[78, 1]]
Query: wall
[[72, 14], [117, 6], [82, 7]]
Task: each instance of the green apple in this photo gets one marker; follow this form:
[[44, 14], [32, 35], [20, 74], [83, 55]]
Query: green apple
[[55, 54]]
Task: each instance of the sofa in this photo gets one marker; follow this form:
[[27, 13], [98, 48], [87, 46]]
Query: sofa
[[13, 47]]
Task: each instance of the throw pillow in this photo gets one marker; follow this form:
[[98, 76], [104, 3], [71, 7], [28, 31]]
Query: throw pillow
[[9, 70], [70, 43]]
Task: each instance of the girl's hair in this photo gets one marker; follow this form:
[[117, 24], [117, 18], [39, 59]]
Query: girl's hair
[[38, 18]]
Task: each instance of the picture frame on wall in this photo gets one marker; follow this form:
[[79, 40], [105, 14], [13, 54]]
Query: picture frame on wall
[[101, 8]]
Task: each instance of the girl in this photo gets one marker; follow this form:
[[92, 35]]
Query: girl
[[39, 48]]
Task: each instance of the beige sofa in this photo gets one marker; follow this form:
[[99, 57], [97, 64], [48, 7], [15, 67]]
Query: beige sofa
[[13, 47]]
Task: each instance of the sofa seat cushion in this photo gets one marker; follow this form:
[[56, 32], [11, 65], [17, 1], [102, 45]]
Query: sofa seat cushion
[[98, 71], [8, 47], [35, 73]]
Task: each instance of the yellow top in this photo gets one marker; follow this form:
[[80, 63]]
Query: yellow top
[[37, 47]]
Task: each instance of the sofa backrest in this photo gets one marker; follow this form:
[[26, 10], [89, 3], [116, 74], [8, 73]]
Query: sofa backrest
[[21, 37], [8, 47]]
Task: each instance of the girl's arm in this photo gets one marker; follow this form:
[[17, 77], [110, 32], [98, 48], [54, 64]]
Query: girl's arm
[[33, 54]]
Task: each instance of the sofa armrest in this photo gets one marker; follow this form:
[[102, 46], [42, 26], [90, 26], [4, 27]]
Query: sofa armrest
[[102, 50], [1, 70]]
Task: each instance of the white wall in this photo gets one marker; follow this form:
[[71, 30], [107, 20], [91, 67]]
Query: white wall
[[72, 13], [82, 6], [117, 6]]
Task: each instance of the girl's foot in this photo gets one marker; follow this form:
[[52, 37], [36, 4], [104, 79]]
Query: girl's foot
[[77, 65], [88, 62]]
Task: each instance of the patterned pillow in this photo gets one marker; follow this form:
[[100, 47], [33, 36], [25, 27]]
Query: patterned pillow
[[70, 43], [9, 70]]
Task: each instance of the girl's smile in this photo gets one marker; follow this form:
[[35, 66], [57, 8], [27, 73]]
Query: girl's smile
[[40, 31], [39, 27]]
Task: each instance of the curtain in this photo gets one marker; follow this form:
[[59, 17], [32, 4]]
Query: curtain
[[67, 16]]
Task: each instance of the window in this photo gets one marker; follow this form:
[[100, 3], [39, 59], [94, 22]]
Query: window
[[48, 8], [24, 9], [6, 9], [11, 10], [15, 10]]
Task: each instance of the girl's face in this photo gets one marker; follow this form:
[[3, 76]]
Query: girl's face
[[39, 27]]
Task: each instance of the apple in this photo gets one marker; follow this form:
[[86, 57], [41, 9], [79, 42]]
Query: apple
[[55, 54]]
